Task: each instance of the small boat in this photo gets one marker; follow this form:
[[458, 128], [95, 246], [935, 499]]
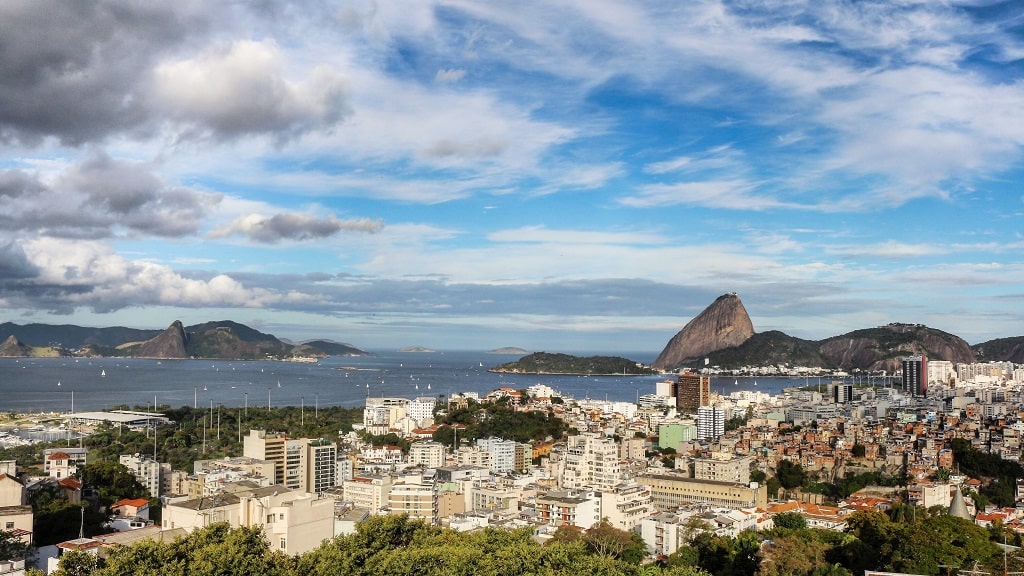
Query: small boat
[[103, 372], [278, 383], [736, 383], [204, 387]]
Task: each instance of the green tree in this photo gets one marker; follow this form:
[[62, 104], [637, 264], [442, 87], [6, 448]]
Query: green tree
[[11, 546], [112, 481], [607, 540], [78, 563], [789, 521], [790, 474]]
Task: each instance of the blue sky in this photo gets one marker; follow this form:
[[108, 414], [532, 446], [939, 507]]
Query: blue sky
[[565, 176]]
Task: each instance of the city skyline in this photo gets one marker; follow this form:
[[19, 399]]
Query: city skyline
[[567, 177]]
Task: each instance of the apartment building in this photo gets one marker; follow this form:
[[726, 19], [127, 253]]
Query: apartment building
[[369, 491], [155, 476], [293, 522], [626, 505], [569, 507], [426, 453], [591, 461], [414, 496]]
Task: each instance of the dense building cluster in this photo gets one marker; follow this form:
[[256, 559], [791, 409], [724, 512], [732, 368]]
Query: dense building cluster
[[660, 468]]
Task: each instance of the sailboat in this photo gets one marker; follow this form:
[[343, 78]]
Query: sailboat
[[428, 386], [103, 372], [278, 383]]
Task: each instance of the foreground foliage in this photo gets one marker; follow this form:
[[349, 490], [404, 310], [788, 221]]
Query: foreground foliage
[[382, 545]]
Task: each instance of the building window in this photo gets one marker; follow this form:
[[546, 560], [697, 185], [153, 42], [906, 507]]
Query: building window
[[284, 544], [270, 518], [10, 525]]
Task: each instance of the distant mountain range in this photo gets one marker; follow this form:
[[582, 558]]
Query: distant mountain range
[[219, 340], [724, 335]]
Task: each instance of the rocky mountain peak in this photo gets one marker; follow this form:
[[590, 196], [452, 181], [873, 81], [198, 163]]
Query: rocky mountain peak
[[723, 324], [12, 347], [171, 343]]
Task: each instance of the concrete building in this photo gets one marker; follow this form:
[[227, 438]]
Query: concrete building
[[271, 447], [15, 514], [293, 522], [150, 473], [723, 467], [414, 496], [421, 409], [672, 435], [503, 453], [369, 491], [63, 462], [626, 505], [426, 453], [308, 465], [692, 391], [591, 461], [669, 491], [915, 375], [569, 507], [710, 422], [493, 497], [474, 456], [322, 467]]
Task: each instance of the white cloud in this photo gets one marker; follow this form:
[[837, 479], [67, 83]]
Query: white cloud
[[242, 89], [449, 75], [95, 276]]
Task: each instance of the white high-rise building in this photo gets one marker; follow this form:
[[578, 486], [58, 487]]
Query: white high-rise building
[[591, 461], [421, 409], [710, 422], [503, 451]]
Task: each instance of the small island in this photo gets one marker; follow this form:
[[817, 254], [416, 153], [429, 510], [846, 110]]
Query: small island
[[415, 349], [508, 350], [547, 363]]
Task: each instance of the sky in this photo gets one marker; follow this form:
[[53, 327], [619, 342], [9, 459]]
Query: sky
[[562, 175]]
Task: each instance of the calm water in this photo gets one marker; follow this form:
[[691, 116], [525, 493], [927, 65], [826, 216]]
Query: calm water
[[46, 385]]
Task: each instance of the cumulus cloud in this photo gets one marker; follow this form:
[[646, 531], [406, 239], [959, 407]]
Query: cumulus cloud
[[242, 89], [77, 70], [90, 274], [100, 197], [298, 227], [14, 264]]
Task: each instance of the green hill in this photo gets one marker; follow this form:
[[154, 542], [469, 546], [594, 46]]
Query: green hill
[[547, 363]]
